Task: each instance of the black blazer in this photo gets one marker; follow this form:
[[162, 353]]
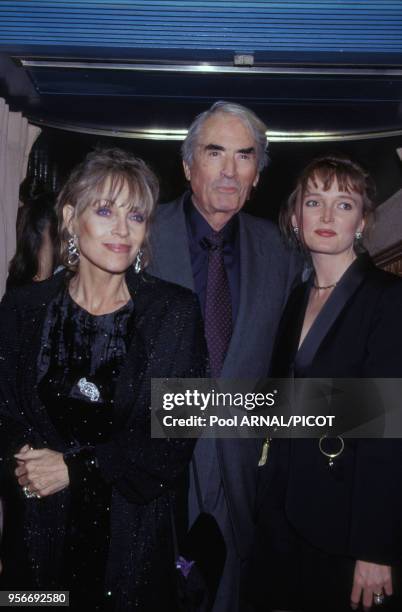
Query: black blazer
[[167, 341], [356, 508]]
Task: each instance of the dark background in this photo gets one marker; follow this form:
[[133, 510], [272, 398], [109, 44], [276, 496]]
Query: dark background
[[56, 152]]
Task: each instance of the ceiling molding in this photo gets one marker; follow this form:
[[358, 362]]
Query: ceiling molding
[[209, 68], [179, 135]]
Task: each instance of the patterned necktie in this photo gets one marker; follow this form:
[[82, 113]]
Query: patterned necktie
[[218, 306]]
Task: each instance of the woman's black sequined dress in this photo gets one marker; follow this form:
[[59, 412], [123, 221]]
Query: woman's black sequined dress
[[80, 361]]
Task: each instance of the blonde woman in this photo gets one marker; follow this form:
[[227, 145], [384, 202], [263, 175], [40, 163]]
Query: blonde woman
[[87, 491]]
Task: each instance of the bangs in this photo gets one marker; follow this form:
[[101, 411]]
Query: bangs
[[107, 189], [102, 178], [323, 173], [346, 178]]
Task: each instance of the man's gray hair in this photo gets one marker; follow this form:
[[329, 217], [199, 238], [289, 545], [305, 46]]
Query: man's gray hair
[[248, 117]]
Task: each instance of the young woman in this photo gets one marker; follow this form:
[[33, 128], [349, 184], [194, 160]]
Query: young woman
[[328, 535]]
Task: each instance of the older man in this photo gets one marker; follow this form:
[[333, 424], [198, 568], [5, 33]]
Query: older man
[[242, 274]]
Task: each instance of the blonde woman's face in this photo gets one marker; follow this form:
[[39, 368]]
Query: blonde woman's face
[[109, 233]]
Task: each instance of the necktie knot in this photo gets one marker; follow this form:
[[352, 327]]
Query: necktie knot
[[214, 240]]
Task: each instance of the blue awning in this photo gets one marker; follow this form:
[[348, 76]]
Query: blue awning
[[339, 26]]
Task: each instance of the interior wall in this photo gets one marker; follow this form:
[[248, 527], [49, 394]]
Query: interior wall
[[387, 230]]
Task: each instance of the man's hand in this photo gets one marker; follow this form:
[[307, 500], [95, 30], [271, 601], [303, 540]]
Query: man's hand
[[42, 471], [369, 578]]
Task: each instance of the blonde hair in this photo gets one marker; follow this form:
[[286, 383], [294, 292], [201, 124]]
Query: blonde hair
[[86, 184]]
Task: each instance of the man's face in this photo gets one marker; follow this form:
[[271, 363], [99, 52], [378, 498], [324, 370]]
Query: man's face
[[224, 168]]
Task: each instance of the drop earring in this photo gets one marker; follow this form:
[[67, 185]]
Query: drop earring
[[358, 235], [73, 254], [138, 262]]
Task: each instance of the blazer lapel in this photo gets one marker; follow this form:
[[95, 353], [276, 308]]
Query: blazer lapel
[[253, 262], [136, 363], [287, 339], [132, 376], [33, 320], [171, 254], [348, 285]]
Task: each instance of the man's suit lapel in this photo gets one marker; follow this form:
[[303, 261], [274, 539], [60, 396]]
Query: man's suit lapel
[[254, 260], [171, 254]]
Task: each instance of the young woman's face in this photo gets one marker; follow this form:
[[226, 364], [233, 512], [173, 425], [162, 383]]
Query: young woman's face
[[329, 219], [110, 233]]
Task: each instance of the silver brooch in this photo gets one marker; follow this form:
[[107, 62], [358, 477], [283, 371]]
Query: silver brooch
[[89, 389]]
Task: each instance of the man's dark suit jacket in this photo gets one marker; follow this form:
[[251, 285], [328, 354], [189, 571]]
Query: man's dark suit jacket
[[267, 272], [355, 508]]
